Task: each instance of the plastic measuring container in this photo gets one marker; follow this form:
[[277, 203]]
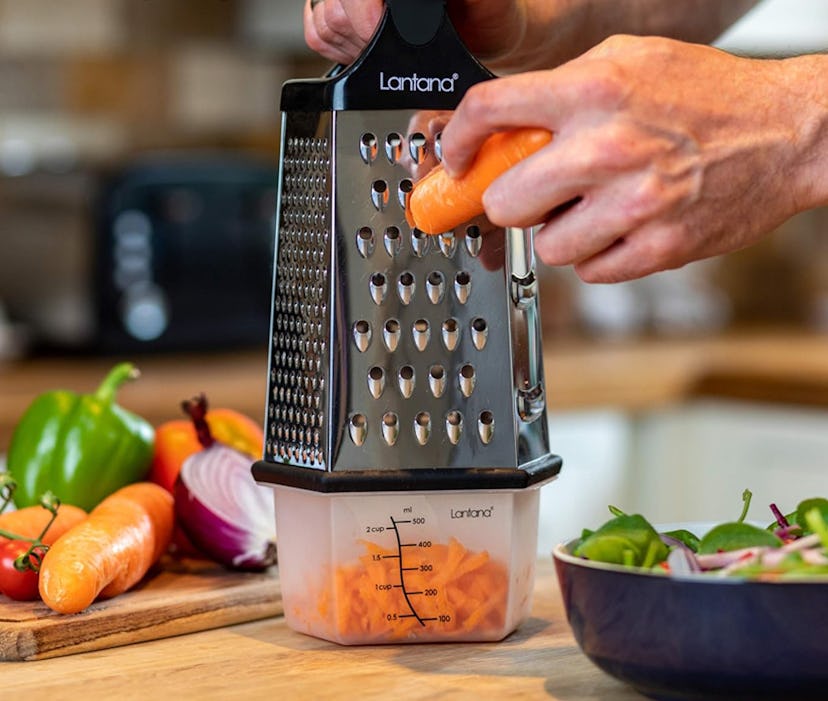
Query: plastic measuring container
[[395, 567]]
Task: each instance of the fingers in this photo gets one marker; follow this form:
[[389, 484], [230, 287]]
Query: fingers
[[637, 255], [490, 107], [608, 241], [529, 191], [340, 29]]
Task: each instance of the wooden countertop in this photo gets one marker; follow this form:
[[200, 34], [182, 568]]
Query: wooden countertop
[[778, 366], [266, 660]]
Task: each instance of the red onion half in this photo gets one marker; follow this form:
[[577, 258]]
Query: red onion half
[[223, 511]]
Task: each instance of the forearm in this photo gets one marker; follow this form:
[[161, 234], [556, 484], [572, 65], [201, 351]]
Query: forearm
[[803, 101], [558, 30]]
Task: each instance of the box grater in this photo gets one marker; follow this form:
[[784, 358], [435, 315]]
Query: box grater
[[406, 428], [398, 360]]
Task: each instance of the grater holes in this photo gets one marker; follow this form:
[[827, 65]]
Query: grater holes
[[358, 428], [474, 242], [362, 335], [393, 147], [406, 285], [390, 427], [379, 194], [376, 381], [365, 241], [368, 147], [391, 334], [421, 333], [447, 243], [435, 286], [485, 426], [450, 333], [422, 427], [299, 340], [393, 241], [420, 242], [479, 332], [438, 146], [404, 191], [462, 286], [406, 379], [378, 287], [417, 143], [454, 426], [437, 380], [466, 379]]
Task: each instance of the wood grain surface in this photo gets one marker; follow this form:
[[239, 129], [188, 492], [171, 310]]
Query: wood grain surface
[[180, 597], [268, 661]]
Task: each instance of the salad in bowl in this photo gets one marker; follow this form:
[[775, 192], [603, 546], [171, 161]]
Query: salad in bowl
[[729, 611], [792, 545]]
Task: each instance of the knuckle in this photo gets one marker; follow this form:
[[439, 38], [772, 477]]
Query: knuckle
[[555, 249], [313, 40], [665, 249], [614, 150], [607, 83], [613, 44], [646, 201], [476, 103], [496, 206]]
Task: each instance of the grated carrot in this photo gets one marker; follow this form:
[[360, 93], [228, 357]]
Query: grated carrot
[[455, 592]]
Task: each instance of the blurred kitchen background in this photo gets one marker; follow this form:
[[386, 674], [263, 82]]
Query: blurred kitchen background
[[138, 156]]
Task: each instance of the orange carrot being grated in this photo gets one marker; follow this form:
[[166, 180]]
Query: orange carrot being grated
[[438, 202]]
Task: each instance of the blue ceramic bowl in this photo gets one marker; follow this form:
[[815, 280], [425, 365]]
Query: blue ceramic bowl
[[699, 637]]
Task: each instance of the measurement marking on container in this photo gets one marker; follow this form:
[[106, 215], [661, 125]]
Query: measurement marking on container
[[390, 557], [408, 545], [413, 614], [430, 619], [414, 593]]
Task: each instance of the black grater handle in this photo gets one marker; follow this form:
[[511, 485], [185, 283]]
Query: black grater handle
[[415, 60], [417, 21]]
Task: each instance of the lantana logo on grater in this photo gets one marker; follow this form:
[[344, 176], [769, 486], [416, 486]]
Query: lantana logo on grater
[[416, 83]]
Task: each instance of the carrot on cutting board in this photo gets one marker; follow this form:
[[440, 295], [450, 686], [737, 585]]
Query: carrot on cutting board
[[30, 521], [110, 551], [439, 202]]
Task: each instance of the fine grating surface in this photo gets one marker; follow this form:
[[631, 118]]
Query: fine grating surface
[[296, 418]]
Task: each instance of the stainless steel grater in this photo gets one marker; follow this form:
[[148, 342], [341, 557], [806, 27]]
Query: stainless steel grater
[[397, 358]]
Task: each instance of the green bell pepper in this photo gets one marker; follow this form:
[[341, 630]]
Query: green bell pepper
[[81, 447]]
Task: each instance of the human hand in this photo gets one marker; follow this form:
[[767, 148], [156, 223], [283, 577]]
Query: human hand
[[664, 153], [340, 29]]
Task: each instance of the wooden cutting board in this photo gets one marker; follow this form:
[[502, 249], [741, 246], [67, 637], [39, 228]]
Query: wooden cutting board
[[180, 597]]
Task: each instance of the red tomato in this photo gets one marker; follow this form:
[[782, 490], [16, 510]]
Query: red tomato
[[176, 440], [14, 583]]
